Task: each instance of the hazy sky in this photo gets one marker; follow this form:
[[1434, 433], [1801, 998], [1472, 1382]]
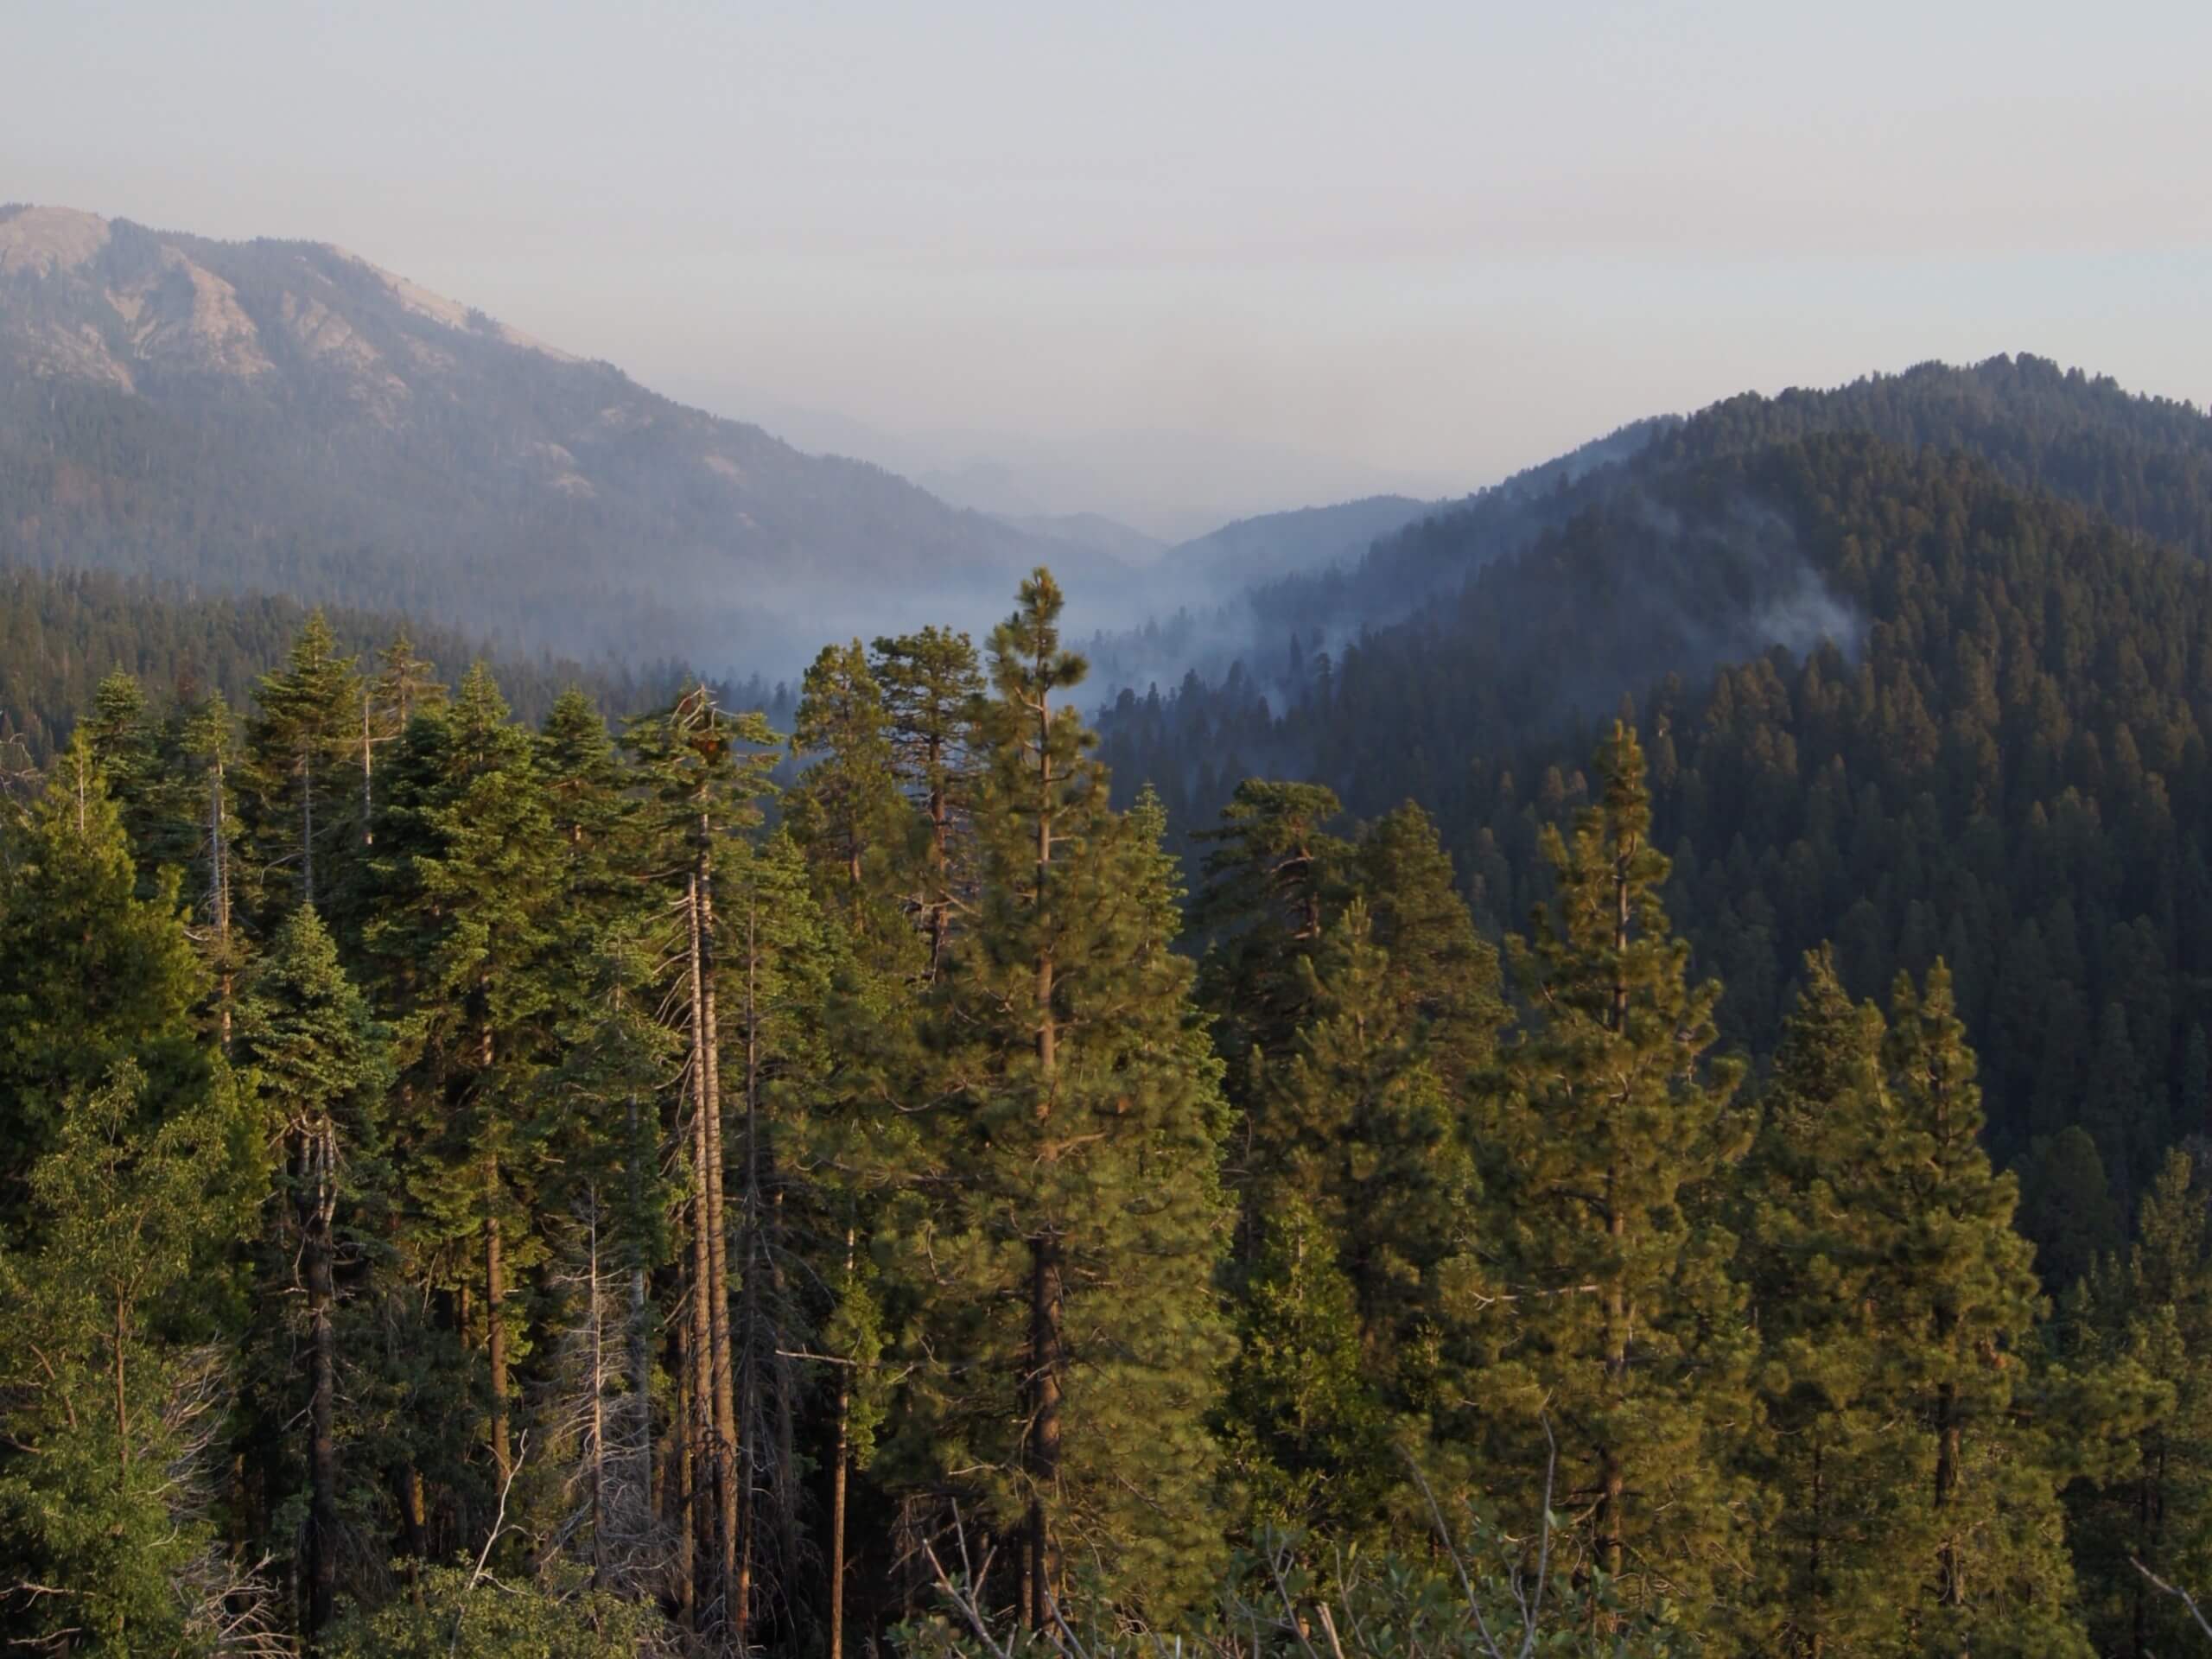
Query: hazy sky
[[1441, 240]]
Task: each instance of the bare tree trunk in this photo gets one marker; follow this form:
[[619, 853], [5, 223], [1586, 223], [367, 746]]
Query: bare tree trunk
[[1947, 1474], [318, 1207], [839, 1475], [1818, 1641], [597, 1315], [1047, 1027], [749, 1288], [683, 1488], [368, 794], [122, 1399], [219, 896], [640, 1334], [728, 1450], [709, 1264], [495, 1323]]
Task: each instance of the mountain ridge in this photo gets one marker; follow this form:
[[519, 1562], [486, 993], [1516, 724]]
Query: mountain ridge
[[286, 416]]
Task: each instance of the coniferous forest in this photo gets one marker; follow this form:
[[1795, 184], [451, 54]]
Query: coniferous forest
[[564, 1187]]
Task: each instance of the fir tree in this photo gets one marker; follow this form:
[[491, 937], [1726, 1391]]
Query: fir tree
[[845, 809], [126, 742], [466, 861], [90, 974], [205, 751], [113, 1394], [1305, 1432], [314, 1059], [298, 740]]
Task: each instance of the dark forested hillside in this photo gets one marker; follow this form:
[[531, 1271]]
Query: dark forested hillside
[[60, 635], [1893, 699], [2145, 463]]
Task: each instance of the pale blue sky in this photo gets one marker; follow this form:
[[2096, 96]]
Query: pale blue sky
[[1444, 240]]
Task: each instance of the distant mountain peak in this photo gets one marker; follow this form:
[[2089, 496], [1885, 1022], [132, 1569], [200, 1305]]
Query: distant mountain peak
[[287, 415], [42, 240], [110, 299]]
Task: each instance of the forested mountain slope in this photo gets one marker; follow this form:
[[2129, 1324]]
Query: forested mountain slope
[[1281, 543], [2144, 462], [62, 634], [1892, 699], [285, 417]]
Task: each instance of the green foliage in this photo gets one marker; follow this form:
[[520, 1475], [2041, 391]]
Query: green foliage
[[2151, 1311], [91, 974], [1307, 1436], [1781, 1371], [1355, 1125], [1446, 974], [1268, 880], [1608, 1153], [307, 717], [456, 1615], [846, 809], [1073, 1255], [111, 1406]]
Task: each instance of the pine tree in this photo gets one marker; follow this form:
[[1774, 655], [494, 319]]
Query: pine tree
[[1833, 1471], [314, 1059], [1073, 1340], [1354, 1127], [2067, 1206], [1962, 1303], [2195, 1111], [930, 685], [2154, 1311], [1623, 1325], [2117, 1113], [1447, 974]]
